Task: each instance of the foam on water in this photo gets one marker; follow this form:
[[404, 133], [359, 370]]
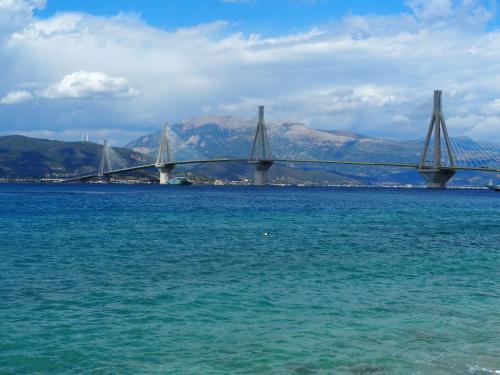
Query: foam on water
[[476, 369]]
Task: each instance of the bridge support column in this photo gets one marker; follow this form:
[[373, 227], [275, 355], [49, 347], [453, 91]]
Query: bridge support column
[[165, 173], [164, 161], [105, 164], [436, 178], [436, 173], [260, 153], [260, 173]]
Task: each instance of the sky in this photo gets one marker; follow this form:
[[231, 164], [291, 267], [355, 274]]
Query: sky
[[118, 69]]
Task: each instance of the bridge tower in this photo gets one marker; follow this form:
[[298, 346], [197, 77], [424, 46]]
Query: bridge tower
[[435, 173], [260, 153], [105, 164], [164, 161]]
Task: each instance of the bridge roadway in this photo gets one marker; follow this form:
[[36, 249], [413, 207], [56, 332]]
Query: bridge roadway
[[225, 160]]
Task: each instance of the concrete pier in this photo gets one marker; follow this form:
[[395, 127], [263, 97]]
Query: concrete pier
[[165, 173], [436, 178], [260, 173]]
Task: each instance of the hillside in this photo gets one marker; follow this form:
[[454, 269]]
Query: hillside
[[24, 157]]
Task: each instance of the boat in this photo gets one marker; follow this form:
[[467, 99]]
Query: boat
[[179, 181], [492, 186]]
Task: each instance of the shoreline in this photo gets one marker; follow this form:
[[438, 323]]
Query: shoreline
[[233, 184]]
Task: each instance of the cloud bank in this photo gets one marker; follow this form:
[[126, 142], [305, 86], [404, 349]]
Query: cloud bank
[[371, 74]]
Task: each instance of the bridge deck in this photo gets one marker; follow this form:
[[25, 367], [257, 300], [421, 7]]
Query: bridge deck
[[225, 160]]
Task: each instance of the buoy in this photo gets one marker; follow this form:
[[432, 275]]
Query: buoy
[[266, 234]]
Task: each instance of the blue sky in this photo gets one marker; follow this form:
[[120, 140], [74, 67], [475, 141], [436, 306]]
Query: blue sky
[[262, 16], [118, 69]]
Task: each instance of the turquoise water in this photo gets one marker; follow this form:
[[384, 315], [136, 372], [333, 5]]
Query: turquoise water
[[181, 280]]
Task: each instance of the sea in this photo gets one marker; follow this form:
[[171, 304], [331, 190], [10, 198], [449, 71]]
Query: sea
[[150, 279]]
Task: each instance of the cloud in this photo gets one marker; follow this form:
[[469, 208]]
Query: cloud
[[15, 14], [15, 97], [430, 8], [400, 120], [370, 74], [472, 12], [78, 85], [83, 85]]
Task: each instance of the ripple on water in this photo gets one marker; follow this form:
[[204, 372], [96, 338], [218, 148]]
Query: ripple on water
[[137, 279]]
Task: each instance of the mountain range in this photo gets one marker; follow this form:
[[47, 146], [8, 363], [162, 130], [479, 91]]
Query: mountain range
[[227, 136], [218, 136]]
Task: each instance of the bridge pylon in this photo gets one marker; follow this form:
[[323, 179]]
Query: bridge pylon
[[165, 161], [105, 163], [435, 172], [260, 153]]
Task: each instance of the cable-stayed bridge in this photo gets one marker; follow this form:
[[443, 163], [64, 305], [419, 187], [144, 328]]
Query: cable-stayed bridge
[[437, 159]]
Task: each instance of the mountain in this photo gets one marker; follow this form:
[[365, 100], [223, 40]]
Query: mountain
[[24, 157], [227, 136], [209, 137]]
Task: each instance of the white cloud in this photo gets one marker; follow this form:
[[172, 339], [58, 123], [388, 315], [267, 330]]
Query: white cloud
[[400, 120], [82, 85], [363, 73], [15, 14], [471, 12], [15, 97], [492, 107], [431, 8]]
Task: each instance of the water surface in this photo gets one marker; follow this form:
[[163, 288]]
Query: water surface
[[111, 279]]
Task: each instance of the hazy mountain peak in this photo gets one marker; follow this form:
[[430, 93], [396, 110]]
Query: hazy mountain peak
[[225, 122], [215, 136], [303, 133]]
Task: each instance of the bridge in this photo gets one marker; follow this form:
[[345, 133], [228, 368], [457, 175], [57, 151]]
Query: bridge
[[444, 153]]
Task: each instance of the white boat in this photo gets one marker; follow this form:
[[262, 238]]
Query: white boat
[[492, 186]]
